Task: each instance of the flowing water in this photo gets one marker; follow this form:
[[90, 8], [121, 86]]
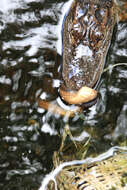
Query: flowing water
[[29, 39]]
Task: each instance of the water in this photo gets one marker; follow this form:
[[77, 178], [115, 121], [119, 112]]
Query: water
[[30, 36]]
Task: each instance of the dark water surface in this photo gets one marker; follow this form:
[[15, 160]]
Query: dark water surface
[[29, 31]]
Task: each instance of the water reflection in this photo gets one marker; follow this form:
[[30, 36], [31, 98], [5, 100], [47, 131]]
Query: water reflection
[[29, 32]]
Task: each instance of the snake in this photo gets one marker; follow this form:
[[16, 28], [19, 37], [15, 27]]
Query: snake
[[86, 37]]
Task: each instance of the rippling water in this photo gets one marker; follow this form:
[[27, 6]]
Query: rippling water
[[29, 40]]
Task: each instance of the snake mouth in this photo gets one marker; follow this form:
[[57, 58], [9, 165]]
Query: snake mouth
[[78, 97]]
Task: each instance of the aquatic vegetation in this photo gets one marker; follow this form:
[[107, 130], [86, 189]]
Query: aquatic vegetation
[[107, 171]]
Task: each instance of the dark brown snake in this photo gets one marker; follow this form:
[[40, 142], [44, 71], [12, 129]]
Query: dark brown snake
[[87, 33]]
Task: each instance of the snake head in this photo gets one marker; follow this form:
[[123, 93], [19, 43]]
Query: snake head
[[87, 32]]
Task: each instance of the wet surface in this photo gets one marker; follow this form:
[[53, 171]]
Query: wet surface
[[29, 32]]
